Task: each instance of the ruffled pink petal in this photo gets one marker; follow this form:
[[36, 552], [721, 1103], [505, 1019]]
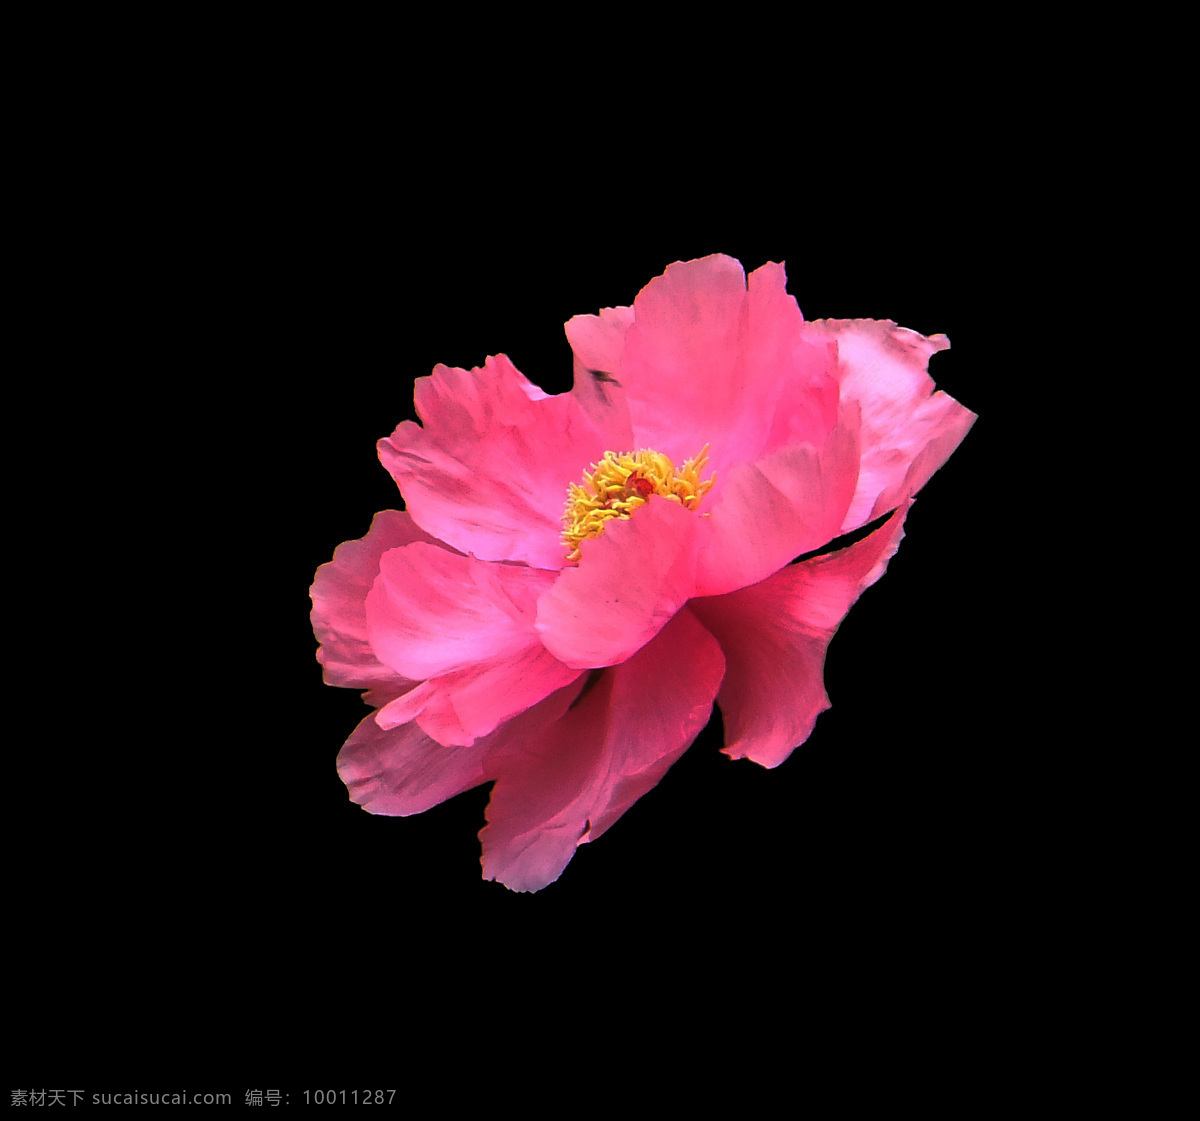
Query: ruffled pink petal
[[488, 472], [711, 359], [457, 708], [681, 367], [339, 596], [774, 636], [763, 515], [465, 627], [908, 429], [568, 784], [432, 612], [629, 583], [402, 771]]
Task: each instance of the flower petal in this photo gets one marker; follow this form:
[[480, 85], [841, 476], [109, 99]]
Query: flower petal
[[681, 367], [797, 371], [908, 430], [431, 612], [457, 708], [765, 514], [598, 342], [629, 583], [774, 636], [402, 771], [568, 784], [339, 596], [488, 472], [711, 358], [464, 627]]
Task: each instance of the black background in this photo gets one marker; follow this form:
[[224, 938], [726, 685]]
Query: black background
[[185, 828]]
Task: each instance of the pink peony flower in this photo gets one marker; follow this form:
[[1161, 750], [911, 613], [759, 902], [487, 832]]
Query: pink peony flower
[[578, 578]]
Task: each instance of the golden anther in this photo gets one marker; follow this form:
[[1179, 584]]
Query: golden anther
[[623, 481]]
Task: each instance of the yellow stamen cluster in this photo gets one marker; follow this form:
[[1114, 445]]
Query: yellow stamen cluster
[[623, 481]]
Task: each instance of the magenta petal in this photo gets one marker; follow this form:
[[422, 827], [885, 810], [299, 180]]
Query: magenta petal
[[488, 472], [774, 636], [568, 784], [339, 596], [765, 514], [431, 612], [402, 771], [908, 429], [631, 580], [458, 708]]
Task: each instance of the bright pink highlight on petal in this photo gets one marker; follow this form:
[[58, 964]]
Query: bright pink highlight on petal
[[575, 685], [465, 628], [432, 612]]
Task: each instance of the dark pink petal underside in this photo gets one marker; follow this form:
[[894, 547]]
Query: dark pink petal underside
[[774, 636], [402, 771], [567, 785]]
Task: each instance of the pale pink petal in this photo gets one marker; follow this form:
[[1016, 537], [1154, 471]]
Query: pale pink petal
[[339, 596], [402, 771], [908, 429], [629, 583], [763, 515], [598, 342], [488, 473], [774, 636], [431, 612], [458, 708], [568, 784]]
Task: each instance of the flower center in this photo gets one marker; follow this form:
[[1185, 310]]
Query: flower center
[[623, 481]]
